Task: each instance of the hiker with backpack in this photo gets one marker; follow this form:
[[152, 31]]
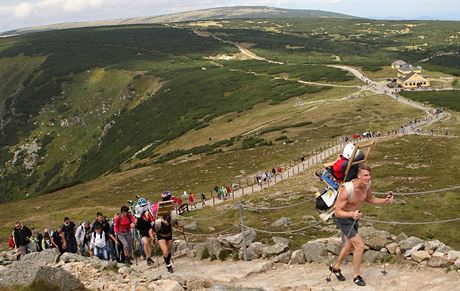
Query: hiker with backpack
[[68, 228], [47, 243], [59, 241], [347, 214], [99, 244], [21, 236], [112, 241], [144, 226], [83, 236], [163, 231], [123, 223]]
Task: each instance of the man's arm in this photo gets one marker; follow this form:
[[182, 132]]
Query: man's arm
[[378, 201]]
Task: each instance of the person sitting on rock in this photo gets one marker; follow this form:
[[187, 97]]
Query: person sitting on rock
[[163, 231]]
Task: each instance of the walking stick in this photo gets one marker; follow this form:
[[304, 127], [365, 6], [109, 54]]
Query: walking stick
[[384, 271], [186, 243]]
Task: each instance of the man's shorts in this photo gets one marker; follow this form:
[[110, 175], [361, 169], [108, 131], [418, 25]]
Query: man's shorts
[[347, 227]]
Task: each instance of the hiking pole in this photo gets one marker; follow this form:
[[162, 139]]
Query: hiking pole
[[186, 243], [156, 254], [384, 271], [328, 279]]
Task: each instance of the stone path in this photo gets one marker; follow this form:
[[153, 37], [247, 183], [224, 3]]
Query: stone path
[[271, 277]]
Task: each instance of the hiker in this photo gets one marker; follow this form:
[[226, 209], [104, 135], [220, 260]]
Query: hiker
[[123, 223], [59, 241], [112, 241], [144, 226], [99, 243], [163, 231], [21, 236], [191, 200], [83, 236], [35, 241], [203, 200], [68, 228], [347, 214], [46, 241]]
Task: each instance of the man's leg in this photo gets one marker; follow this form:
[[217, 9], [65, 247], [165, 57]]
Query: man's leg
[[347, 248], [358, 245]]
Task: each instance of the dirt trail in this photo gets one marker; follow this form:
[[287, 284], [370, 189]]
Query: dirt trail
[[271, 277]]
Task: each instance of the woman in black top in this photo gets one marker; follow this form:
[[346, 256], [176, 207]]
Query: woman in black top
[[144, 226]]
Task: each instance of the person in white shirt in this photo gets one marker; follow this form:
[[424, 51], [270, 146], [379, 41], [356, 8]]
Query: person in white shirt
[[99, 244]]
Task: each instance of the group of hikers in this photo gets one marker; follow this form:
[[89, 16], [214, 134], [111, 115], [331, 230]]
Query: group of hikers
[[108, 239]]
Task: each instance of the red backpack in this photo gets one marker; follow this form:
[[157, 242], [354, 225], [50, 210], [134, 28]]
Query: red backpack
[[11, 243]]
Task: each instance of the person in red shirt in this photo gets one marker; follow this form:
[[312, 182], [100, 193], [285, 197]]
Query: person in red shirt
[[123, 223], [191, 200]]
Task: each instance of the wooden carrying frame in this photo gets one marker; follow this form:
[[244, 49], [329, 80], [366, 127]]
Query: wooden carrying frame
[[366, 148], [165, 207]]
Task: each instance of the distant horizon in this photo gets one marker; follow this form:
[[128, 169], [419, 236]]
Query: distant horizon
[[35, 13]]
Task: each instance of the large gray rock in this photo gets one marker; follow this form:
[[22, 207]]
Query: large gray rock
[[22, 273], [372, 256], [420, 256], [255, 250], [457, 263], [444, 249], [70, 257], [214, 247], [297, 257], [278, 239], [401, 236], [46, 257], [432, 245], [409, 243], [276, 249], [283, 221], [415, 248], [334, 245], [236, 241], [377, 239], [283, 258], [167, 285], [191, 225], [452, 256], [200, 250], [315, 251]]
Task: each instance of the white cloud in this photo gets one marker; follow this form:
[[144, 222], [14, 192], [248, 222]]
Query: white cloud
[[23, 10]]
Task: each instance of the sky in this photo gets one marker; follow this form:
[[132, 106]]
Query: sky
[[25, 13]]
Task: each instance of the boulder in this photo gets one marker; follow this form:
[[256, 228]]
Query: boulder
[[372, 256], [415, 248], [276, 249], [46, 257], [334, 245], [457, 263], [168, 285], [70, 257], [438, 262], [392, 247], [401, 236], [236, 241], [432, 245], [283, 258], [214, 247], [377, 239], [283, 221], [255, 250], [191, 225], [452, 256], [420, 256], [22, 273], [409, 243], [444, 249], [278, 239], [297, 257], [200, 250], [315, 251]]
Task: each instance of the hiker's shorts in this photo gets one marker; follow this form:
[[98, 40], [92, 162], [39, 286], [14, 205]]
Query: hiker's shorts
[[347, 227]]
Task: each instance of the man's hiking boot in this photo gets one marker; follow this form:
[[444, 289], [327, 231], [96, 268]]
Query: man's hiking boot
[[337, 273], [128, 261], [170, 269], [149, 261], [359, 281]]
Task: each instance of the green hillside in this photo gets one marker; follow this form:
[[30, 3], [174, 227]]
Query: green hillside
[[79, 104]]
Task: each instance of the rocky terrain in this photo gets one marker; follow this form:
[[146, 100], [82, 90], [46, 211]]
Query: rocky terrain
[[217, 265]]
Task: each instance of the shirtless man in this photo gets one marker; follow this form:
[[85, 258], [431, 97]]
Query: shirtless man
[[347, 213]]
